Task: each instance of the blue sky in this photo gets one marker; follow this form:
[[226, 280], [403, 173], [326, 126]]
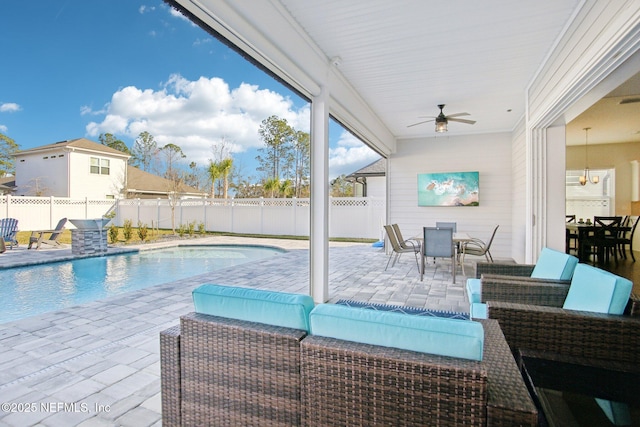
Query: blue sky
[[77, 68]]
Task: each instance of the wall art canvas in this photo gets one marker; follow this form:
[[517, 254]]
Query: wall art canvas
[[448, 189]]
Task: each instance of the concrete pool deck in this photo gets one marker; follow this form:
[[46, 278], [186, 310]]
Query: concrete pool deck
[[97, 364]]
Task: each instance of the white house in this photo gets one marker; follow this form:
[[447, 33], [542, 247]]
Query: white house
[[370, 181], [76, 168]]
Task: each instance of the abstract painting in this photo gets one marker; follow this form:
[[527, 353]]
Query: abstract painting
[[448, 189]]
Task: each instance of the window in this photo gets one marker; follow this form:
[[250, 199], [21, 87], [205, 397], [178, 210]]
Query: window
[[99, 166]]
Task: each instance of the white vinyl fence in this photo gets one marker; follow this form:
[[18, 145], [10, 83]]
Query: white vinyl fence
[[350, 217], [43, 213], [354, 217]]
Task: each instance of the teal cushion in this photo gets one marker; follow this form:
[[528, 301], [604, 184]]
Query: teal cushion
[[478, 310], [591, 290], [554, 265], [254, 305], [435, 335], [621, 294], [474, 290]]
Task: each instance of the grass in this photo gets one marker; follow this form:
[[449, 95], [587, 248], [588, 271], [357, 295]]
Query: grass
[[154, 235]]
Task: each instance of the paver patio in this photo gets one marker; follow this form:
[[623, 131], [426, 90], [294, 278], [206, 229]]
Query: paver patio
[[97, 364]]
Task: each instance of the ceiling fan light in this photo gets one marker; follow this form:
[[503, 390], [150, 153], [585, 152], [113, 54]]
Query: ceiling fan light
[[441, 126]]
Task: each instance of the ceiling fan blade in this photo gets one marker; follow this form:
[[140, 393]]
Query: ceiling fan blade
[[469, 122], [419, 123], [458, 115]]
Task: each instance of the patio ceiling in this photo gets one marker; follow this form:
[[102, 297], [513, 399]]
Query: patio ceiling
[[400, 58]]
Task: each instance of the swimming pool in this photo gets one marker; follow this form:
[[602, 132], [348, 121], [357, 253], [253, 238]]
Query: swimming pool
[[36, 289]]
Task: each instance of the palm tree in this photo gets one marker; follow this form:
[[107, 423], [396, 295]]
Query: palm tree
[[273, 185], [225, 166], [215, 173]]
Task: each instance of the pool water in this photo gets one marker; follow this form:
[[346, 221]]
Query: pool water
[[31, 290]]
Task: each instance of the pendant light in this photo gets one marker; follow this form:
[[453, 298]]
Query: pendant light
[[586, 178]]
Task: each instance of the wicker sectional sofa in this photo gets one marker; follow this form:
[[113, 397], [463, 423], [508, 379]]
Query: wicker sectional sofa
[[224, 371]]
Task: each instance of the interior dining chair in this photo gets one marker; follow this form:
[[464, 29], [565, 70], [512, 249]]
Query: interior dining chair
[[626, 239], [438, 243], [478, 247], [605, 237], [571, 243]]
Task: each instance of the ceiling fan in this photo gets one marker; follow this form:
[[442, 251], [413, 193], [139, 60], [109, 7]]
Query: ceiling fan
[[442, 120]]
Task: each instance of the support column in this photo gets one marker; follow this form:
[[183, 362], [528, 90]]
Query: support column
[[319, 251]]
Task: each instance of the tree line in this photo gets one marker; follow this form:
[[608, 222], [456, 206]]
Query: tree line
[[283, 163]]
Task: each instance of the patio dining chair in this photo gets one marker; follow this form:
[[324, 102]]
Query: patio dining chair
[[478, 247], [438, 243], [397, 249]]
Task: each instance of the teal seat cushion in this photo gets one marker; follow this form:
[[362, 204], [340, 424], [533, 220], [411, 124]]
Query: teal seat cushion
[[478, 310], [474, 290], [434, 335], [254, 305], [554, 265], [593, 289]]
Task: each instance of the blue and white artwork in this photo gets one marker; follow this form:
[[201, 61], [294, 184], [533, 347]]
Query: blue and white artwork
[[448, 189]]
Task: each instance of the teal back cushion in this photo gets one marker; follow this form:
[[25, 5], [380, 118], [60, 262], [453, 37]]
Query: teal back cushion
[[254, 305], [593, 289], [554, 265], [435, 335]]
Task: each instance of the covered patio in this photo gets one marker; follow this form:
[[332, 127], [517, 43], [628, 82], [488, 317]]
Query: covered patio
[[521, 71]]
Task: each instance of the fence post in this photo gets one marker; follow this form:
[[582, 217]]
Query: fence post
[[50, 212], [158, 212], [8, 204], [86, 208]]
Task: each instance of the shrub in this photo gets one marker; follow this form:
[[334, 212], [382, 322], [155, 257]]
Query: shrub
[[182, 230], [127, 231], [201, 229], [113, 233], [142, 231], [192, 228]]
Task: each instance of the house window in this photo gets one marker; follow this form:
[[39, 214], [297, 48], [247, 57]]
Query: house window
[[99, 166]]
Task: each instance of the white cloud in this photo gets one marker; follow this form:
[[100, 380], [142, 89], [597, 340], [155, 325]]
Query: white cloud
[[196, 114], [3, 129], [144, 9], [349, 155], [9, 107]]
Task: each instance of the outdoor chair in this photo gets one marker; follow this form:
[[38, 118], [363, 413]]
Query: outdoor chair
[[8, 231], [513, 282], [478, 247], [397, 250], [589, 324], [404, 243], [366, 367], [236, 360], [38, 237], [438, 243]]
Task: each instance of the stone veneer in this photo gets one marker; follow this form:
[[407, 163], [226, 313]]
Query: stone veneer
[[88, 242]]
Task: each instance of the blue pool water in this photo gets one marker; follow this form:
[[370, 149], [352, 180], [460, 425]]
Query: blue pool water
[[27, 291]]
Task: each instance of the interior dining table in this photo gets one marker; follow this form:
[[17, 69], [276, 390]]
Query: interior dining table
[[584, 231]]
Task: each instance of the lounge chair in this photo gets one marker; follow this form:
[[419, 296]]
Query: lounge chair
[[8, 231], [38, 236], [589, 324], [512, 282]]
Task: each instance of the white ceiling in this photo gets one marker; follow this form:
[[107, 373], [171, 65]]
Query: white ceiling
[[404, 57]]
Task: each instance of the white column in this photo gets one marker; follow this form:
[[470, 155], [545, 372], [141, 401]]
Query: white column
[[319, 284]]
